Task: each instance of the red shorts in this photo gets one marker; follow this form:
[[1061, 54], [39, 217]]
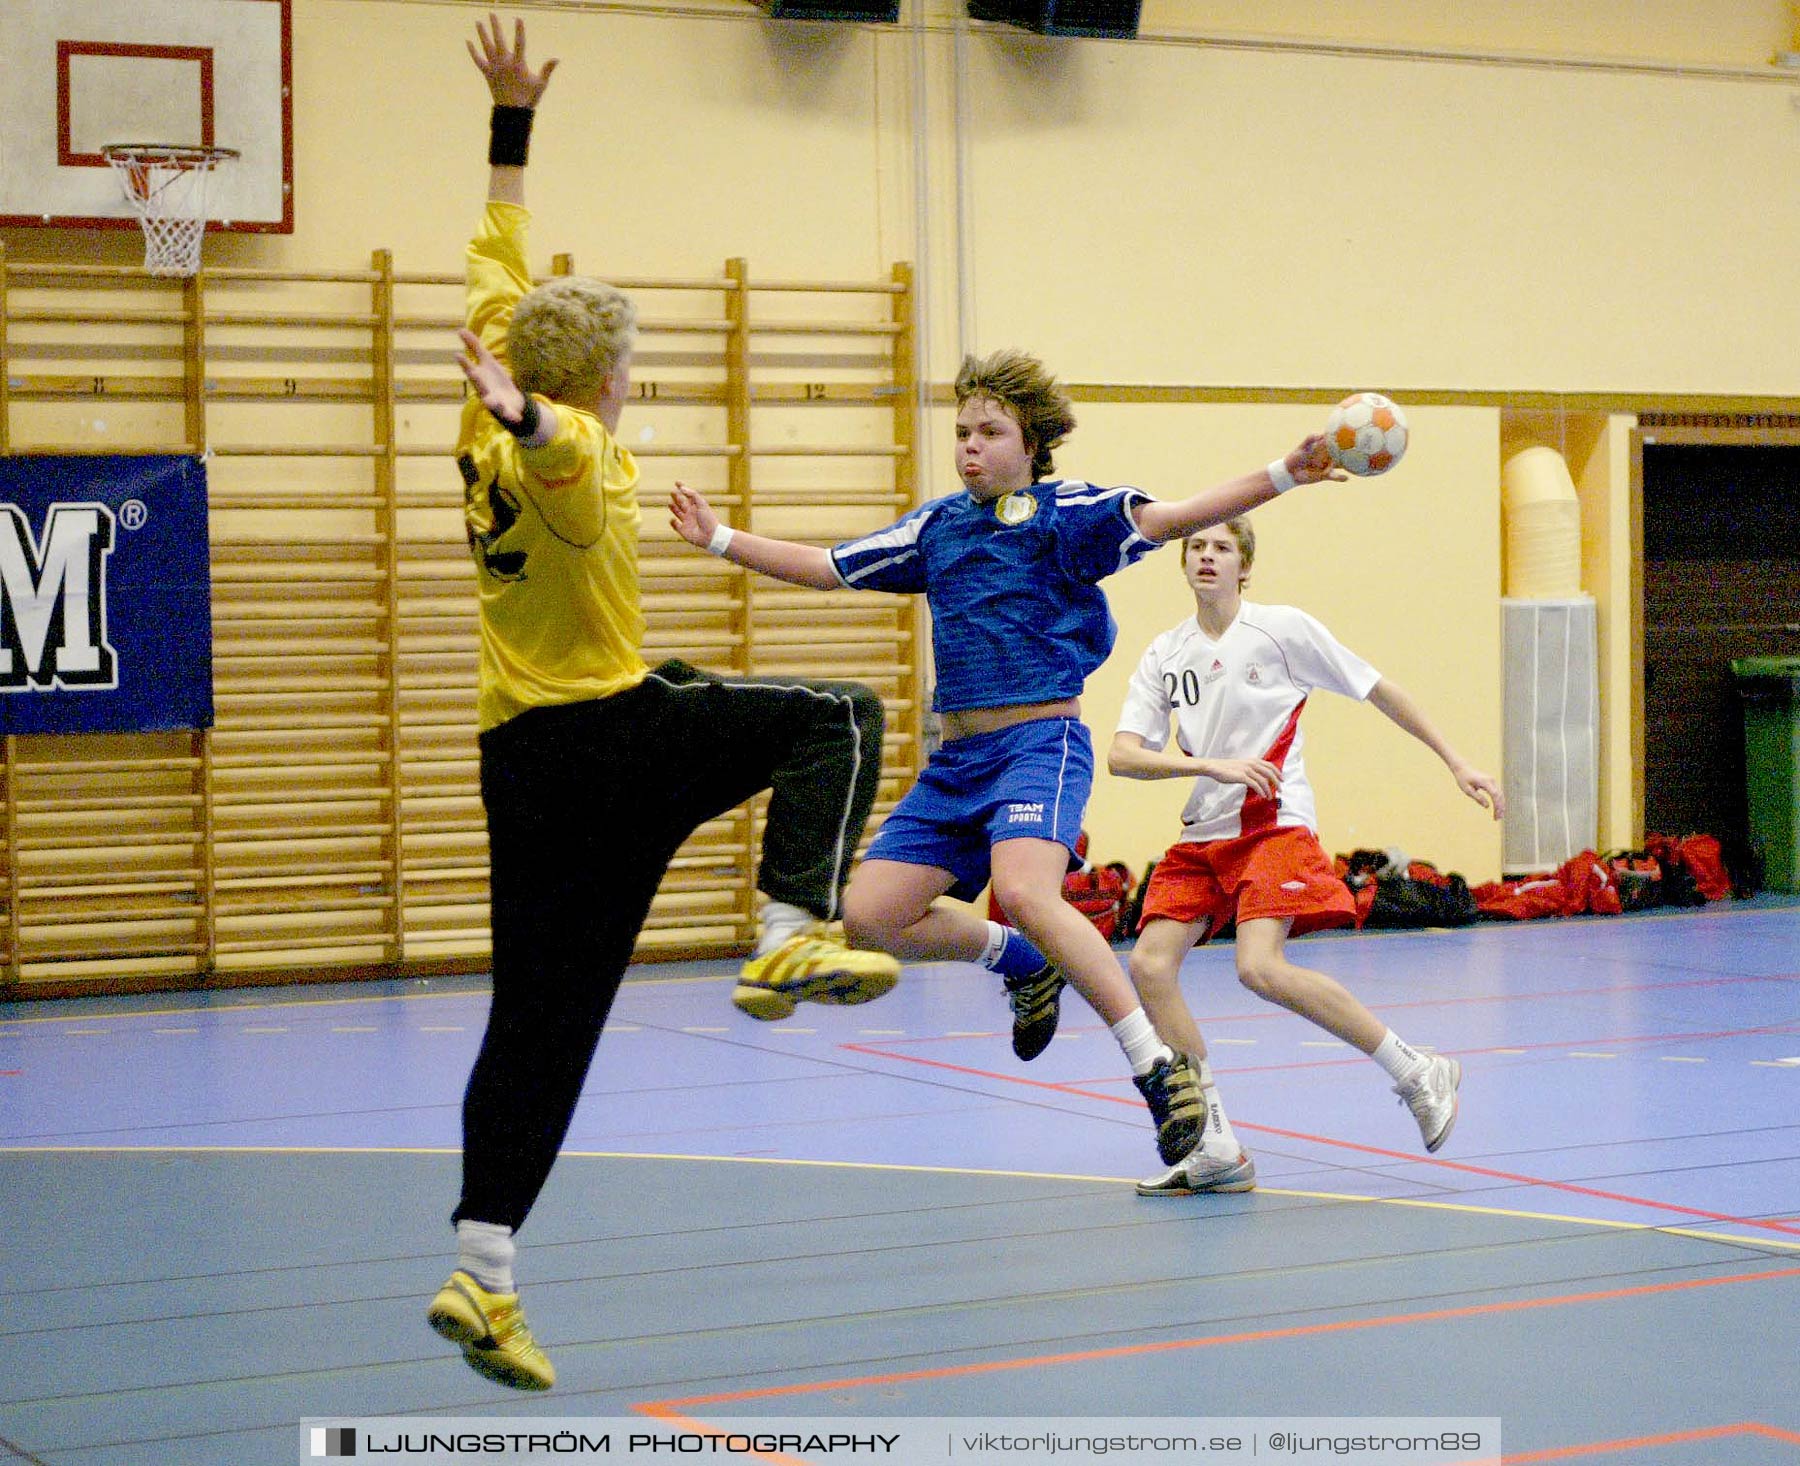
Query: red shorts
[[1280, 873]]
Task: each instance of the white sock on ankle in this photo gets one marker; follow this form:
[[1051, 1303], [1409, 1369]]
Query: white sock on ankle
[[485, 1251], [1218, 1128], [1402, 1061], [1142, 1047], [780, 920]]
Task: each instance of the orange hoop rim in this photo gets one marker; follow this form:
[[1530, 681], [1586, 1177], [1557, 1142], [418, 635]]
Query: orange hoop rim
[[170, 155]]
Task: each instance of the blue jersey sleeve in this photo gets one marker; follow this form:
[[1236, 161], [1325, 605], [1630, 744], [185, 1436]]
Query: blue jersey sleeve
[[1097, 533], [891, 559]]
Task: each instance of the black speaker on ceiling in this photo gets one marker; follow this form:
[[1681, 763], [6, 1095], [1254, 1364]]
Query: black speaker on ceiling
[[1115, 20], [883, 12]]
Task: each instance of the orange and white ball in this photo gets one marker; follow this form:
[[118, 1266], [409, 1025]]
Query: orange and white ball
[[1366, 434]]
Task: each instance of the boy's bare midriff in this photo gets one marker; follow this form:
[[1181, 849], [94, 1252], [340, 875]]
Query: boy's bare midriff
[[991, 720]]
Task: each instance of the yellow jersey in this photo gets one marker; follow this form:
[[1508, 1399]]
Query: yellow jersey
[[554, 530]]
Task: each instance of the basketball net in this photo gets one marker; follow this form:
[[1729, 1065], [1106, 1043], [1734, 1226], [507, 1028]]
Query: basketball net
[[165, 186]]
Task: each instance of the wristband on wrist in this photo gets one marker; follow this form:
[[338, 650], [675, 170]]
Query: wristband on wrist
[[509, 136], [527, 425], [1280, 477], [720, 541]]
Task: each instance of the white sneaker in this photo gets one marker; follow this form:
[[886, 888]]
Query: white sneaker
[[1432, 1099], [1200, 1172]]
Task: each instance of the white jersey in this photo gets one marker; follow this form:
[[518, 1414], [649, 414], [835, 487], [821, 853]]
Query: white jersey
[[1240, 697]]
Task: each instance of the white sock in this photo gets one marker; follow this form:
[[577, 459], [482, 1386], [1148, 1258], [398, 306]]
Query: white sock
[[1142, 1047], [996, 944], [779, 922], [1218, 1128], [1402, 1061], [1217, 1136], [485, 1251]]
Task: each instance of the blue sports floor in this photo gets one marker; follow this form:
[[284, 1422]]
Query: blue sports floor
[[225, 1213]]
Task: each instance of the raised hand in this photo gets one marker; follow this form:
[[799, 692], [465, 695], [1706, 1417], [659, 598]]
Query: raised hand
[[510, 79], [492, 382], [1312, 463], [690, 516]]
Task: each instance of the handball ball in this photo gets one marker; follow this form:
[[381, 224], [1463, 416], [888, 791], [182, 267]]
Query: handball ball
[[1366, 434]]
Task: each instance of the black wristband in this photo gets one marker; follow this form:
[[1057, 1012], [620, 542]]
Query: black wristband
[[527, 425], [509, 136]]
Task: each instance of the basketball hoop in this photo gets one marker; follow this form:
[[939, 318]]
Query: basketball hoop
[[165, 184]]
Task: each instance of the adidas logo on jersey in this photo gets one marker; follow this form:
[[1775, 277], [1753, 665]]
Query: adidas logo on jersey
[[1214, 673]]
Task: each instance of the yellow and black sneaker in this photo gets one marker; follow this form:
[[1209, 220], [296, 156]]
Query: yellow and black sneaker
[[812, 967], [1036, 1004], [1172, 1090], [491, 1330]]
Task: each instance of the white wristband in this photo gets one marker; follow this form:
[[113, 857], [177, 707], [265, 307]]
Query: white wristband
[[1280, 477], [720, 541]]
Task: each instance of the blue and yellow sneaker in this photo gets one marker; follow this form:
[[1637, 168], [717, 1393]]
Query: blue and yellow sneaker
[[1172, 1090], [491, 1330], [812, 967], [1036, 1005]]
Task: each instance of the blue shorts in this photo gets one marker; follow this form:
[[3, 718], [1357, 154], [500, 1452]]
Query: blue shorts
[[1029, 781]]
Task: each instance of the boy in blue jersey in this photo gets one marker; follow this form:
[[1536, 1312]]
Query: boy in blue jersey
[[1010, 569]]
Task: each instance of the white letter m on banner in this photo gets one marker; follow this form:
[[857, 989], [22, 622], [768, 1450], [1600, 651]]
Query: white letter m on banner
[[53, 599]]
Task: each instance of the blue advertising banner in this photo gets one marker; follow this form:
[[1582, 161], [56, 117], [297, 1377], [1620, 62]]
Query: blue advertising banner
[[105, 595]]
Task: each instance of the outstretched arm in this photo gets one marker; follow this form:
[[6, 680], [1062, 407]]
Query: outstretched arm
[[516, 90], [1130, 758], [524, 417], [1310, 463], [1398, 705], [691, 517]]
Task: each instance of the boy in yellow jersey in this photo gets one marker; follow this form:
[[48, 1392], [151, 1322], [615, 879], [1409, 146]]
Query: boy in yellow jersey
[[594, 767]]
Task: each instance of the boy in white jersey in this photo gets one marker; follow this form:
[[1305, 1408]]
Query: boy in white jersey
[[1236, 677], [1010, 569]]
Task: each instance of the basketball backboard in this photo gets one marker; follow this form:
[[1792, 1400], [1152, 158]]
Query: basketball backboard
[[84, 73]]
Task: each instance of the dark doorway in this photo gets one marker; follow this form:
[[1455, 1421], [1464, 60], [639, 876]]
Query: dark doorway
[[1721, 580]]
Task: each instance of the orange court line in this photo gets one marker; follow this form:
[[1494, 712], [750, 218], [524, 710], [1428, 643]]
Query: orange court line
[[1673, 1438], [1254, 1336], [1072, 1087], [1059, 1086], [1569, 1186]]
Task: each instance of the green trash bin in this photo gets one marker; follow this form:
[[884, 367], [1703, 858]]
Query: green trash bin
[[1770, 688]]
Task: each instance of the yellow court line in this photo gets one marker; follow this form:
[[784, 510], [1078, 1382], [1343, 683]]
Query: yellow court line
[[620, 1155], [192, 1010]]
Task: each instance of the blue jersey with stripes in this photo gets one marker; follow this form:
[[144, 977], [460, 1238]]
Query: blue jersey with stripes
[[1017, 614]]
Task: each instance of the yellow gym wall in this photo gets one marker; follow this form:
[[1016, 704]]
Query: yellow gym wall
[[1476, 208]]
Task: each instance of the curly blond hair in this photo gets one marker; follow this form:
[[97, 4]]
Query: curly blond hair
[[1024, 387], [568, 336]]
